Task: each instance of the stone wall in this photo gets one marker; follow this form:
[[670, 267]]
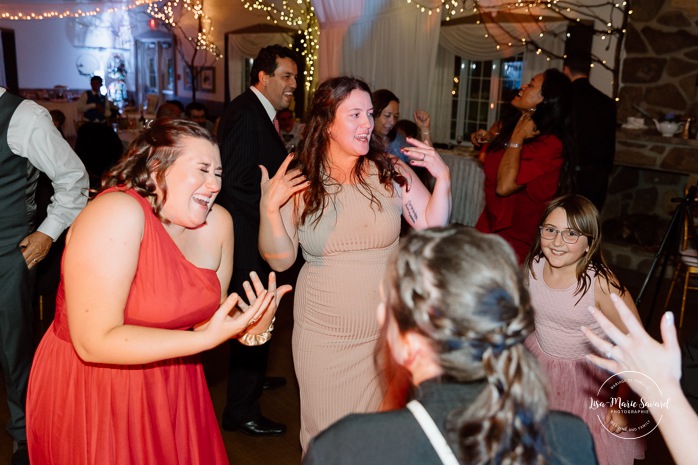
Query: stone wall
[[650, 172], [660, 69]]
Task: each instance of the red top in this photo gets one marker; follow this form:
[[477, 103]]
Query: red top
[[516, 217]]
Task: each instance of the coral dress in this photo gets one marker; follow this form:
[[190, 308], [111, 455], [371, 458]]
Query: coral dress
[[335, 327], [161, 413], [560, 347]]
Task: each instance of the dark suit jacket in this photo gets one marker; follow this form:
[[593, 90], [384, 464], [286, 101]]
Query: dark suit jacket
[[397, 438], [247, 139], [594, 124]]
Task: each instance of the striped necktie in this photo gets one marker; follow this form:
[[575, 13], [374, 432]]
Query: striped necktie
[[277, 127]]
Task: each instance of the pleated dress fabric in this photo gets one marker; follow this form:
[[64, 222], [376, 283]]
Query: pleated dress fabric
[[335, 328], [560, 347], [83, 413]]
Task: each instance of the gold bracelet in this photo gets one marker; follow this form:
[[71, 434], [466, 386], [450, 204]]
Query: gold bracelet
[[257, 339]]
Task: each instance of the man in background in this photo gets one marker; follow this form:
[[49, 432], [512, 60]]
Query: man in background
[[198, 113], [290, 129], [248, 136], [594, 130], [92, 104], [29, 143]]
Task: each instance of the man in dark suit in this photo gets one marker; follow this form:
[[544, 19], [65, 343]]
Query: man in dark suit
[[248, 138], [594, 130]]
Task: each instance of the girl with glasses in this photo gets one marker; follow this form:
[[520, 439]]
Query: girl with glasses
[[567, 274]]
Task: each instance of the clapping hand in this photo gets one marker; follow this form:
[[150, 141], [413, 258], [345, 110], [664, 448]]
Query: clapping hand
[[259, 324], [255, 317]]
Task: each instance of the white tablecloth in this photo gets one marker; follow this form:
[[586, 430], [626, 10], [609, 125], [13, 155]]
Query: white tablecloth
[[69, 109], [467, 181]]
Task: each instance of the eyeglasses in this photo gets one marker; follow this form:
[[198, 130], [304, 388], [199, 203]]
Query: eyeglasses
[[569, 236]]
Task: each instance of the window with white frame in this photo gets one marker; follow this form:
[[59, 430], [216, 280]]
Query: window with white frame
[[479, 89]]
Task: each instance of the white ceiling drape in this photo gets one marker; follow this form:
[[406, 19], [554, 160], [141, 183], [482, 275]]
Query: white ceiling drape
[[469, 41], [388, 43]]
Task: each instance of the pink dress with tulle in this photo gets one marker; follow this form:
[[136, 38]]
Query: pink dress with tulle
[[560, 347]]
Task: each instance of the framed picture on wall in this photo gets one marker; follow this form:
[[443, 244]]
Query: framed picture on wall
[[187, 78], [207, 78]]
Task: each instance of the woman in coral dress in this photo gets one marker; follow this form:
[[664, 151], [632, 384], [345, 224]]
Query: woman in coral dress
[[346, 218], [116, 378]]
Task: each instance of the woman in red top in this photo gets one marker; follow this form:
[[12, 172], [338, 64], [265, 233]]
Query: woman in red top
[[526, 162]]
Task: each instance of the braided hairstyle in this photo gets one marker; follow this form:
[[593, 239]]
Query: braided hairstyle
[[464, 291], [153, 152]]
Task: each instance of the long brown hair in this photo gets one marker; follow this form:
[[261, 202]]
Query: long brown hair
[[314, 144], [583, 217], [153, 152], [465, 292]]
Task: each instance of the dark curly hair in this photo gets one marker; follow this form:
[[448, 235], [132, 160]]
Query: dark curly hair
[[464, 291], [552, 116], [153, 152], [314, 144]]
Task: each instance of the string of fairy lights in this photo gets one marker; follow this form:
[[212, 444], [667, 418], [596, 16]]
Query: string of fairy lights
[[169, 13], [75, 12], [609, 18], [298, 14]]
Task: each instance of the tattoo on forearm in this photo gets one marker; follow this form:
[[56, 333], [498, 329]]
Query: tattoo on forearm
[[411, 212]]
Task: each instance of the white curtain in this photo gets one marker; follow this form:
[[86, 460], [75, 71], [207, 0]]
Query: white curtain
[[388, 43], [242, 46], [441, 97]]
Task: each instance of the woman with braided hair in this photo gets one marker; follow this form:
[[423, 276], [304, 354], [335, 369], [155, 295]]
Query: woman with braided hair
[[455, 314]]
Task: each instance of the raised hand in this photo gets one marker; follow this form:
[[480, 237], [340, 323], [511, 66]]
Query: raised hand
[[426, 156], [260, 324], [284, 185], [636, 351]]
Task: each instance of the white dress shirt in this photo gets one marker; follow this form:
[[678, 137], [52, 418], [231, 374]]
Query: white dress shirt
[[33, 136]]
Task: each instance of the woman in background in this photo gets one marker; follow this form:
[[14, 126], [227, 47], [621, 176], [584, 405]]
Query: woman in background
[[386, 110], [344, 210], [455, 314], [526, 163]]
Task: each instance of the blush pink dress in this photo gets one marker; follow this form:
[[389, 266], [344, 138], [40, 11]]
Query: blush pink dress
[[82, 413], [335, 329], [560, 347]]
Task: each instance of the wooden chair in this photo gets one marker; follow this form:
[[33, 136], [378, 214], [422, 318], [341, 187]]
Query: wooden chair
[[687, 263]]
